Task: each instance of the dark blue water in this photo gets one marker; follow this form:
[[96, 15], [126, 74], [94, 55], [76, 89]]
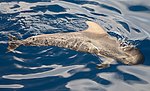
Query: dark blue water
[[57, 69]]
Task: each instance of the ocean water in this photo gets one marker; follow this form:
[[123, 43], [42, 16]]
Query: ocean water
[[58, 69]]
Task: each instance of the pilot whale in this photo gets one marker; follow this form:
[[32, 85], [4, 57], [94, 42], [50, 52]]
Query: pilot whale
[[94, 40]]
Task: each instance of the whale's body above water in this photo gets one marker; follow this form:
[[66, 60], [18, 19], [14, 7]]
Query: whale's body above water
[[92, 40]]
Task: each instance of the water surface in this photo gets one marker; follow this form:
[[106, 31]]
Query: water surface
[[57, 69]]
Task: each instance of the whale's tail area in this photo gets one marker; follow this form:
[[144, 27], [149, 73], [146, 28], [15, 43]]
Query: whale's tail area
[[13, 43]]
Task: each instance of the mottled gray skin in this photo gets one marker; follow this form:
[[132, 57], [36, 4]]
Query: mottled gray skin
[[101, 45], [85, 41]]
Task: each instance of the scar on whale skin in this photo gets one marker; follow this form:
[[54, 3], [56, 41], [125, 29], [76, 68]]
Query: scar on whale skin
[[93, 40]]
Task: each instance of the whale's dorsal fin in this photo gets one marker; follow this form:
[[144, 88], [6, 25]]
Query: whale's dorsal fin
[[94, 28]]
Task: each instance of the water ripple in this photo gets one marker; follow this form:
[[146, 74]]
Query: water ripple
[[58, 71], [30, 68], [12, 86]]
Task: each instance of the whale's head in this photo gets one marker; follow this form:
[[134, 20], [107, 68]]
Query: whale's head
[[133, 56]]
